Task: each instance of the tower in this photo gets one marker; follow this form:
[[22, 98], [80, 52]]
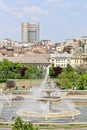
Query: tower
[[30, 32]]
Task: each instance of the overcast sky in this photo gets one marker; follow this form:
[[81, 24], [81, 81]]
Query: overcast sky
[[59, 19]]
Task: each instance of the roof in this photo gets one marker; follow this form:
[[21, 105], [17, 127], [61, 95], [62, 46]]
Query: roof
[[62, 55], [27, 59]]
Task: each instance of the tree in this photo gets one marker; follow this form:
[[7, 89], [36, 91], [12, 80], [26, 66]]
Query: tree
[[22, 71], [5, 67], [40, 73], [51, 71], [81, 69], [21, 125], [54, 71], [57, 71], [64, 81], [10, 70], [18, 125], [82, 82], [69, 68], [33, 72], [68, 78]]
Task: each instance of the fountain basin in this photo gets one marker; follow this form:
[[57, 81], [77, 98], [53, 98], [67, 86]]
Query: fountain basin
[[49, 99], [62, 113], [49, 90]]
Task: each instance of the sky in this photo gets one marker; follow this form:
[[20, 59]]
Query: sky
[[59, 19]]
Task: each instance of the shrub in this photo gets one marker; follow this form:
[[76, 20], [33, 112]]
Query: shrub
[[3, 80]]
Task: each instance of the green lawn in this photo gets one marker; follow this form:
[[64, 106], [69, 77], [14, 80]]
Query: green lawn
[[24, 82], [53, 127], [62, 127]]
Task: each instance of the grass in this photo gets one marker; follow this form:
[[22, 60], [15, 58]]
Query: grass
[[65, 127], [52, 127], [27, 82], [24, 82]]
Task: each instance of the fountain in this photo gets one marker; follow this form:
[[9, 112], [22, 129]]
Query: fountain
[[46, 102], [6, 97], [1, 107]]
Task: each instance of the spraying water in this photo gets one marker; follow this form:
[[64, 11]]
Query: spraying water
[[1, 107], [71, 107], [7, 98], [46, 102], [37, 92]]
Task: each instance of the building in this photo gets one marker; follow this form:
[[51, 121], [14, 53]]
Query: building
[[85, 60], [59, 46], [85, 48], [29, 59], [30, 32], [60, 60], [77, 60]]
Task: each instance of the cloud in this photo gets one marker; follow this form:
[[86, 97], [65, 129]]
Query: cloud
[[52, 1], [61, 3], [10, 9], [58, 3], [34, 10], [3, 6], [22, 12]]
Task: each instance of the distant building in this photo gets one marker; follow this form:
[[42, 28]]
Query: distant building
[[85, 48], [60, 60], [30, 32], [59, 46], [77, 58], [29, 59]]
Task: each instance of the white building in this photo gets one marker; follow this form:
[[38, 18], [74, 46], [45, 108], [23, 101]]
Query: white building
[[69, 42], [85, 48], [60, 60], [59, 46]]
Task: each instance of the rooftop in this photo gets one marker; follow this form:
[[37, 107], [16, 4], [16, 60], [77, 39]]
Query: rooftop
[[65, 54], [29, 58]]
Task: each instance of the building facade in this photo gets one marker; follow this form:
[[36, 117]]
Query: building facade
[[60, 60], [29, 59], [30, 32]]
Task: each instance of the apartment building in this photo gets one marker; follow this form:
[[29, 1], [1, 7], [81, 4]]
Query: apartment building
[[59, 46], [85, 48], [30, 32], [60, 60]]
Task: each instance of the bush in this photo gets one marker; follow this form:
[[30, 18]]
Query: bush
[[21, 125], [3, 80]]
